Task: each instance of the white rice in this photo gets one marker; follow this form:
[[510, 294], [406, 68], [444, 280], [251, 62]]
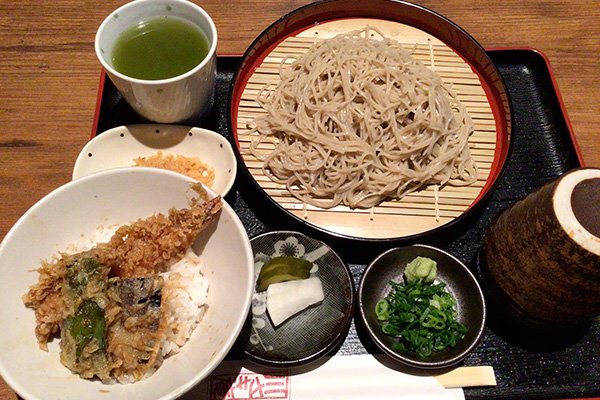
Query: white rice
[[184, 296]]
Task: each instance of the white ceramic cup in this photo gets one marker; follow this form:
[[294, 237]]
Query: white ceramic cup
[[181, 98]]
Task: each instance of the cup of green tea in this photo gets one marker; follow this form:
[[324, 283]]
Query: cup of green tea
[[161, 56]]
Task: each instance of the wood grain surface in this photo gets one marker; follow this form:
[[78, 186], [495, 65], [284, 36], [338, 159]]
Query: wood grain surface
[[49, 74]]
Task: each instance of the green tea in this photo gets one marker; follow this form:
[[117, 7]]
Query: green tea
[[159, 48]]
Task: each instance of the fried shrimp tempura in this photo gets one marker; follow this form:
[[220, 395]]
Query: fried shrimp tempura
[[152, 245]]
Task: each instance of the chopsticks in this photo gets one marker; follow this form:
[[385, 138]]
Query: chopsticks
[[468, 377]]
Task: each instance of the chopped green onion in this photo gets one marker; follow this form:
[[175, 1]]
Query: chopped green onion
[[421, 315], [381, 310]]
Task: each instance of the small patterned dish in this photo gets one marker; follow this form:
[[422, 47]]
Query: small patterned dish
[[118, 147], [313, 332]]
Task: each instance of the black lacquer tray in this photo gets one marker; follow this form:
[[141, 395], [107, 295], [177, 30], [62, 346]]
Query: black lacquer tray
[[547, 366]]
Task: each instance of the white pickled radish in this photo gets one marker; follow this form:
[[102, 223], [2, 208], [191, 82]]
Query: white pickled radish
[[285, 299]]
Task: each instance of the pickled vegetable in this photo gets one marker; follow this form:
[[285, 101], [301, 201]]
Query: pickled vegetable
[[282, 269], [287, 299]]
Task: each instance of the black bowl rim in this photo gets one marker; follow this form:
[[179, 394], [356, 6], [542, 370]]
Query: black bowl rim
[[409, 361], [400, 240], [343, 328]]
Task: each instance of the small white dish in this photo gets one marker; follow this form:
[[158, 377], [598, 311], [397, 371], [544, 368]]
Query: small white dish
[[118, 147], [73, 215]]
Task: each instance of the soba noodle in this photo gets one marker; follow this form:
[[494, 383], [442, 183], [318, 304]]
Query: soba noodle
[[357, 120]]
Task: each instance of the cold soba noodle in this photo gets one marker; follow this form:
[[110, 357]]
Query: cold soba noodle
[[357, 120]]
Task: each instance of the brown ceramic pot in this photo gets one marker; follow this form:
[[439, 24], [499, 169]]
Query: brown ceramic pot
[[543, 252]]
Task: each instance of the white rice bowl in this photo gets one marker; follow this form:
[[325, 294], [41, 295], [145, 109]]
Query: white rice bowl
[[211, 292]]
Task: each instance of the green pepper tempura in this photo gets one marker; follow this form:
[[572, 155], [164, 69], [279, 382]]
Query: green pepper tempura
[[420, 314]]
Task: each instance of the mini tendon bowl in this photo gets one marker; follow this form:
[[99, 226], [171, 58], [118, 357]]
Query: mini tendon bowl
[[460, 282], [72, 215]]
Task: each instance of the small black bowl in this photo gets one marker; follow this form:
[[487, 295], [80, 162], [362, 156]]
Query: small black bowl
[[460, 282]]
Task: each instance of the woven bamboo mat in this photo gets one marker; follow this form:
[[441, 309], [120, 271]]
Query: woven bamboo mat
[[416, 212]]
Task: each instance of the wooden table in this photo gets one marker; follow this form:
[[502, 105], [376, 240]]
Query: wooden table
[[49, 75]]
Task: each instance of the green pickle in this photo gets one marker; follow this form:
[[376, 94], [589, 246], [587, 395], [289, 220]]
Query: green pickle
[[282, 269]]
